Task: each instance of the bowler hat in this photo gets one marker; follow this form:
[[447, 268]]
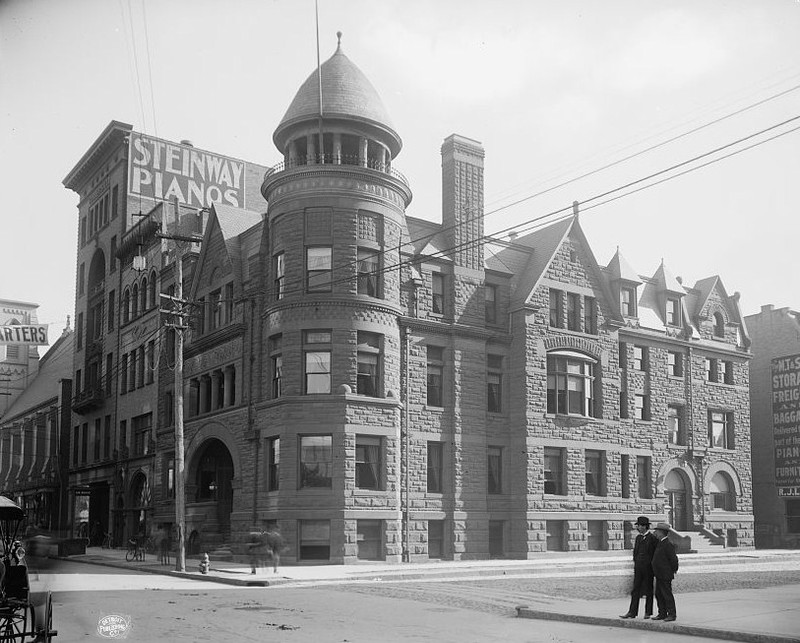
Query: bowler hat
[[643, 520], [663, 526]]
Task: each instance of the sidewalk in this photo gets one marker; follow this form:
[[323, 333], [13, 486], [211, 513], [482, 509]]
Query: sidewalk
[[769, 615]]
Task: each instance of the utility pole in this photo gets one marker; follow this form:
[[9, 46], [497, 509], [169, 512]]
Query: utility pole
[[178, 303]]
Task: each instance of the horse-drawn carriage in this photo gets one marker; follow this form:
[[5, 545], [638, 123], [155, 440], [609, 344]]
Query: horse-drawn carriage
[[24, 616]]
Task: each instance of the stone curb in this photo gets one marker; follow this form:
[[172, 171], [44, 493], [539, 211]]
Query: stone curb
[[524, 611]]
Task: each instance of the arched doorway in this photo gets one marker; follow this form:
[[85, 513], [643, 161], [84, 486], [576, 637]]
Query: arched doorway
[[677, 489], [139, 505], [214, 481]]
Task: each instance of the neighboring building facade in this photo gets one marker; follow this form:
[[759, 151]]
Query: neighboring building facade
[[378, 388], [775, 333], [34, 435], [18, 363]]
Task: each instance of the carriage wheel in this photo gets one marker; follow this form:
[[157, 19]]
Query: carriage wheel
[[15, 627]]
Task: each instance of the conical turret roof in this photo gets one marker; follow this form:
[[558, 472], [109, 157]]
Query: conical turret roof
[[347, 94]]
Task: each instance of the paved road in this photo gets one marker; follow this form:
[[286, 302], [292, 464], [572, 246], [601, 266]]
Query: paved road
[[168, 608]]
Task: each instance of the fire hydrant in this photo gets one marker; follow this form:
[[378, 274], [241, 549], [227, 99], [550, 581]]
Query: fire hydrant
[[205, 564]]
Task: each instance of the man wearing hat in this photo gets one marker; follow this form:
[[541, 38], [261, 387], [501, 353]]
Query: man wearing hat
[[643, 550], [665, 564]]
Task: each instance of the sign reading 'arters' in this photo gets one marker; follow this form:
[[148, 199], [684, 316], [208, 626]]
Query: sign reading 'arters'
[[786, 423], [31, 334], [161, 170]]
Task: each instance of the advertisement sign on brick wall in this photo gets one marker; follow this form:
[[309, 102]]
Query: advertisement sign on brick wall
[[161, 170], [786, 424]]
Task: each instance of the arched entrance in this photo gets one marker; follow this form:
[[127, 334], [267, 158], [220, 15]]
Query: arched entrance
[[677, 489], [214, 481]]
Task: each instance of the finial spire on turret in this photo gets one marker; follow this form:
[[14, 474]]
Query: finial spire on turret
[[338, 41]]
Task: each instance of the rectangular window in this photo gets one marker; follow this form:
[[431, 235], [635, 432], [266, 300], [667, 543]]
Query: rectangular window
[[81, 278], [151, 361], [712, 370], [793, 516], [490, 303], [556, 308], [123, 374], [369, 539], [123, 434], [573, 311], [595, 535], [368, 272], [273, 463], [436, 538], [112, 309], [555, 534], [228, 302], [276, 365], [107, 437], [319, 269], [640, 358], [169, 408], [76, 441], [625, 471], [494, 381], [595, 473], [590, 315], [79, 332], [554, 471], [673, 311], [170, 476], [84, 441], [623, 405], [279, 272], [643, 476], [675, 429], [141, 432], [435, 360], [114, 201], [435, 463], [315, 540], [368, 462], [109, 374], [215, 310], [720, 430], [628, 301], [675, 364], [317, 358], [642, 406], [570, 385], [369, 363], [112, 260], [437, 293], [495, 469], [725, 371], [98, 439], [316, 461]]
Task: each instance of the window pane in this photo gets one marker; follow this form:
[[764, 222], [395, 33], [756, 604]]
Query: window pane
[[315, 461]]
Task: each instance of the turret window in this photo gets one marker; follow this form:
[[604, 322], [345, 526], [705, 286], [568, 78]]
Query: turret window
[[318, 269]]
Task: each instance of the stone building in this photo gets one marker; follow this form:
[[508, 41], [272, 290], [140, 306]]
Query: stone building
[[380, 387], [775, 333], [34, 433]]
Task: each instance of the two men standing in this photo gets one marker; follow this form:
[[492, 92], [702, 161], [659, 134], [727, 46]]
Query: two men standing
[[653, 556]]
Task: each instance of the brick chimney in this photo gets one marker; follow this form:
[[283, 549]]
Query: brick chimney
[[462, 199]]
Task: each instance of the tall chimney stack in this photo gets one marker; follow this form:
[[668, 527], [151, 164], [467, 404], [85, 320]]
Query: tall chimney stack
[[462, 199]]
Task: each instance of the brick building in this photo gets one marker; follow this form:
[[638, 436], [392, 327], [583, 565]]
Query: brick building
[[380, 388], [775, 333]]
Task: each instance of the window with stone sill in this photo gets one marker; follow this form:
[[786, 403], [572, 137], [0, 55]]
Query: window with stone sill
[[674, 311], [676, 431], [435, 366], [628, 301], [573, 311], [675, 364], [494, 380], [720, 430], [495, 469], [369, 272], [643, 475], [554, 471], [490, 303], [316, 461], [722, 493], [590, 315], [437, 293], [435, 452], [556, 308], [369, 360], [273, 463], [570, 383], [369, 474], [595, 473]]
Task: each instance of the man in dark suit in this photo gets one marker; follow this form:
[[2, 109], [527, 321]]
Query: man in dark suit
[[665, 564], [643, 550]]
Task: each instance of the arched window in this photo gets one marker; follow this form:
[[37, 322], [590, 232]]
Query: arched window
[[719, 325], [570, 383], [135, 301], [145, 291], [152, 296], [126, 306], [723, 495]]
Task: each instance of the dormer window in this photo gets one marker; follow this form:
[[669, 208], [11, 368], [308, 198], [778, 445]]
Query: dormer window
[[719, 325], [627, 298], [673, 311]]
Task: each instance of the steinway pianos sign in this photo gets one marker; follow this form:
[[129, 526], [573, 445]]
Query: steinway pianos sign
[[786, 424], [161, 170], [30, 334]]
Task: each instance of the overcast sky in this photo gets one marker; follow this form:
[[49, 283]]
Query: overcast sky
[[553, 89]]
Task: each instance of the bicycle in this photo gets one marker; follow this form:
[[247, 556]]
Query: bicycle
[[135, 551]]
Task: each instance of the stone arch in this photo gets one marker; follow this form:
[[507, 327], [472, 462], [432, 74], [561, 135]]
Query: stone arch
[[589, 347], [672, 464], [676, 483], [97, 269], [722, 467], [208, 431]]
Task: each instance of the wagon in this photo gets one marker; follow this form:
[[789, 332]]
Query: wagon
[[24, 616]]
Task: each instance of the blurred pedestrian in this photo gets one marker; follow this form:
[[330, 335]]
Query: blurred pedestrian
[[275, 546], [164, 544], [643, 549], [665, 565]]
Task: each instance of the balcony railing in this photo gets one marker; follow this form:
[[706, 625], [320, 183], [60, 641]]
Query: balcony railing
[[338, 159], [90, 398]]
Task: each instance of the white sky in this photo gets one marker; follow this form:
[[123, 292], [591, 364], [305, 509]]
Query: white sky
[[552, 88]]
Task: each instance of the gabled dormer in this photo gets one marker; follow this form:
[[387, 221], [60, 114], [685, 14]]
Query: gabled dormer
[[671, 297], [717, 315], [625, 285]]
